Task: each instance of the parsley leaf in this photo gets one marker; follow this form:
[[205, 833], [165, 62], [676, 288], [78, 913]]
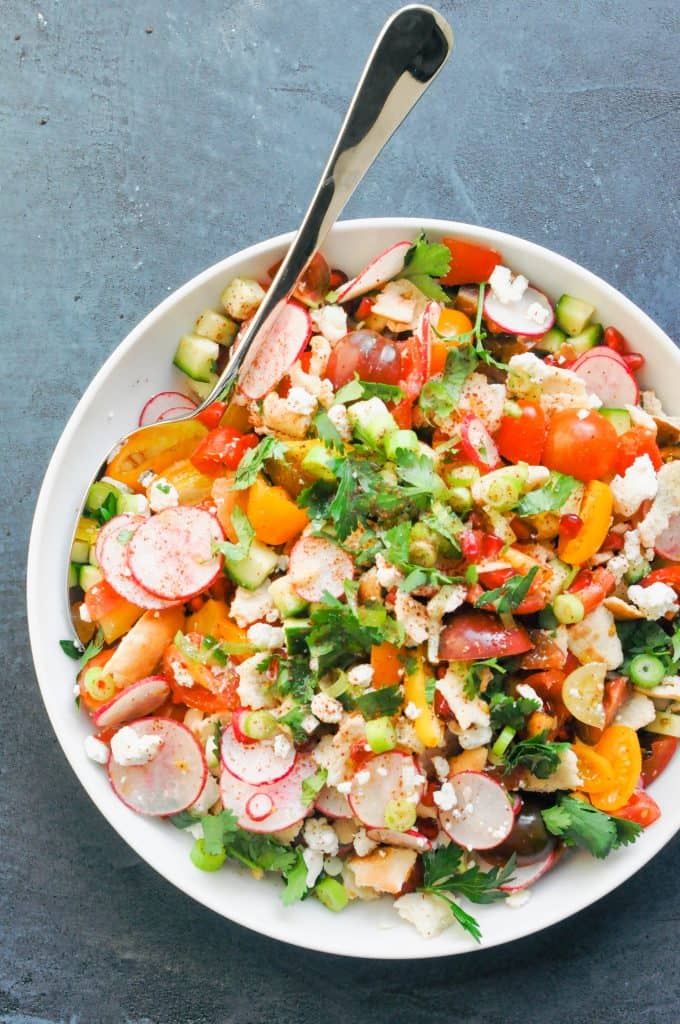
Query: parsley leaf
[[444, 875], [217, 830], [396, 543], [295, 679], [358, 388], [312, 786], [505, 710], [254, 459], [474, 675], [541, 758], [438, 398], [641, 637], [70, 648], [244, 535], [417, 475], [380, 703], [326, 431], [430, 689], [361, 493], [94, 647], [580, 824], [296, 881], [425, 261], [107, 510], [549, 498], [510, 594], [337, 637]]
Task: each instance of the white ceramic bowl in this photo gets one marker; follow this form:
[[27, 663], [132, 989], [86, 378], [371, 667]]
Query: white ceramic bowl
[[141, 366]]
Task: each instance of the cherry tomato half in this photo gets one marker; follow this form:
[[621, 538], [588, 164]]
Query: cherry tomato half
[[641, 808], [367, 353], [581, 443], [636, 442], [221, 449], [211, 416], [521, 438], [476, 634], [470, 263], [657, 757]]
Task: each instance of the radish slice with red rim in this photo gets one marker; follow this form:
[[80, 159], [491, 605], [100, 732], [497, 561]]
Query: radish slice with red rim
[[482, 816], [237, 723], [524, 875], [409, 840], [478, 444], [160, 406], [607, 375], [275, 350], [317, 566], [171, 554], [425, 334], [381, 780], [532, 315], [134, 701], [174, 778], [286, 798], [667, 544], [333, 804], [112, 549], [256, 763], [378, 272]]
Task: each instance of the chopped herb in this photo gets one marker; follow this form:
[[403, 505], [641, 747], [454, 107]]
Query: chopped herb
[[295, 679], [444, 875], [326, 430], [165, 488], [244, 535], [475, 675], [357, 389], [71, 649], [578, 823], [312, 786], [641, 637], [222, 835], [296, 880], [184, 819], [424, 262], [254, 459], [549, 498], [409, 661], [337, 637], [430, 689], [540, 757], [294, 719], [505, 710], [379, 703], [107, 510], [417, 476], [510, 594], [94, 647], [438, 398], [471, 574]]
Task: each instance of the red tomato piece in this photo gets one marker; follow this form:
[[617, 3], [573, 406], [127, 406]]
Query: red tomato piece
[[412, 368], [470, 263], [615, 340], [521, 438], [364, 308], [657, 758], [403, 414], [495, 577], [641, 808], [583, 446], [635, 442], [593, 587], [477, 634], [669, 575], [634, 360], [222, 449], [211, 416], [477, 443], [367, 353]]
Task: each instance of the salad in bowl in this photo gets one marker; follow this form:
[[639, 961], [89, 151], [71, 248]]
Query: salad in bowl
[[401, 617]]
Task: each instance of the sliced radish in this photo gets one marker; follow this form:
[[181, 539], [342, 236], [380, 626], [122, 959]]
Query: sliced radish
[[382, 779], [257, 762], [426, 335], [317, 566], [172, 781], [171, 554], [532, 315], [381, 270], [667, 544], [478, 444], [482, 815], [608, 376], [112, 549], [525, 875], [285, 795], [275, 350], [134, 701], [333, 804], [162, 405], [410, 840]]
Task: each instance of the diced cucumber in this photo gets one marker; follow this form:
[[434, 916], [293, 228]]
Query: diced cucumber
[[196, 356], [371, 421], [215, 326], [619, 419], [318, 463], [296, 632], [572, 314], [203, 388], [400, 440], [80, 552], [552, 341], [132, 504], [92, 555], [286, 601], [588, 338], [251, 572], [73, 571], [99, 493], [88, 576], [241, 297]]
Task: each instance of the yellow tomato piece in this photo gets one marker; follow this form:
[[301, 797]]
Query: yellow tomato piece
[[595, 513], [583, 693], [273, 515], [387, 668], [621, 747], [428, 727], [212, 619], [452, 322], [154, 448], [119, 620], [595, 770], [191, 485]]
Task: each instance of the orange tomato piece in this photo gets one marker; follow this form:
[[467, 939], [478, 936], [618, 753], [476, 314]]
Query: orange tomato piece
[[595, 513], [595, 770], [112, 613], [154, 448], [620, 746], [226, 500], [387, 669], [273, 515], [212, 619], [453, 322]]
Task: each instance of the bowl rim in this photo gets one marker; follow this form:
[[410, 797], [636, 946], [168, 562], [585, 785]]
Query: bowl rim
[[321, 942]]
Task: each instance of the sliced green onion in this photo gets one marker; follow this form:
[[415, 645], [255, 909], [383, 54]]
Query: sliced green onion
[[335, 689], [568, 609], [471, 574], [637, 574], [503, 741], [646, 671], [259, 725], [400, 815], [381, 735], [98, 685], [332, 894], [460, 499], [504, 492], [206, 861]]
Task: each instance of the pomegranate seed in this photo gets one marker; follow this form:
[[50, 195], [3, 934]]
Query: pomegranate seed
[[612, 542], [570, 526], [634, 360], [427, 799], [615, 340], [492, 545]]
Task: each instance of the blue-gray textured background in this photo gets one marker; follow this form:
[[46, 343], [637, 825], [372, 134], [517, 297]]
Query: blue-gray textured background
[[130, 160]]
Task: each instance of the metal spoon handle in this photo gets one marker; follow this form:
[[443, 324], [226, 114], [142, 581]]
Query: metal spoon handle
[[411, 49]]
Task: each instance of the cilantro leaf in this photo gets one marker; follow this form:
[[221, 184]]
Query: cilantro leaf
[[294, 719], [505, 710], [474, 676], [326, 431], [358, 388], [107, 510], [254, 459], [438, 398], [641, 637], [417, 475], [430, 689], [312, 786], [444, 875], [549, 498], [217, 830], [71, 649], [580, 824], [425, 261], [244, 535], [184, 819], [396, 545], [380, 703], [296, 881], [541, 758], [510, 594], [337, 637], [295, 679], [94, 647]]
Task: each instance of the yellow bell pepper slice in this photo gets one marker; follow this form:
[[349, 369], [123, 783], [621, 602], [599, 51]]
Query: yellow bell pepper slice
[[596, 514], [428, 727]]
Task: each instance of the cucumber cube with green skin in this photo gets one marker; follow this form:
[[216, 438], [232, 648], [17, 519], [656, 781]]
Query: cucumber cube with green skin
[[133, 504], [552, 341], [400, 440], [252, 571], [92, 556], [572, 314], [619, 419], [588, 338], [98, 493], [80, 552], [88, 576], [296, 632], [371, 421], [318, 463], [286, 601], [203, 388], [73, 572], [196, 357]]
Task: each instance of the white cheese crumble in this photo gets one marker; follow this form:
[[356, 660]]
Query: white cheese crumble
[[96, 750], [252, 689], [469, 711], [654, 601], [337, 414], [517, 899], [265, 637], [388, 576], [475, 736], [445, 798], [637, 484], [538, 314], [361, 675], [162, 495], [309, 724], [413, 617], [182, 675], [282, 746], [331, 321], [129, 748], [314, 863], [524, 690], [412, 712], [250, 606], [326, 709], [637, 712], [441, 768], [319, 835], [84, 613], [300, 401], [429, 914], [506, 286], [362, 844], [362, 777]]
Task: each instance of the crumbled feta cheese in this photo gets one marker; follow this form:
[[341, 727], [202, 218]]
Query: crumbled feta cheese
[[344, 787], [361, 675], [337, 414], [506, 286], [637, 712], [84, 613], [333, 752], [282, 746], [445, 798], [362, 844], [162, 495], [413, 617], [429, 914], [129, 748], [319, 835], [320, 388], [309, 723], [332, 866], [637, 484], [595, 639], [566, 777], [412, 712], [314, 863], [264, 637], [362, 777], [209, 795], [469, 711], [96, 750], [517, 899], [441, 768], [654, 601], [665, 504], [524, 690], [301, 401], [182, 675], [475, 736], [388, 576], [483, 399], [331, 321], [252, 688], [538, 314], [326, 709], [280, 417], [250, 606], [555, 388]]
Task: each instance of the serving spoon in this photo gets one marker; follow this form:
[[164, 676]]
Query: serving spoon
[[409, 52]]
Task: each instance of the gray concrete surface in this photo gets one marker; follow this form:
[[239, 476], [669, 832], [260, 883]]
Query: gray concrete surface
[[141, 141]]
